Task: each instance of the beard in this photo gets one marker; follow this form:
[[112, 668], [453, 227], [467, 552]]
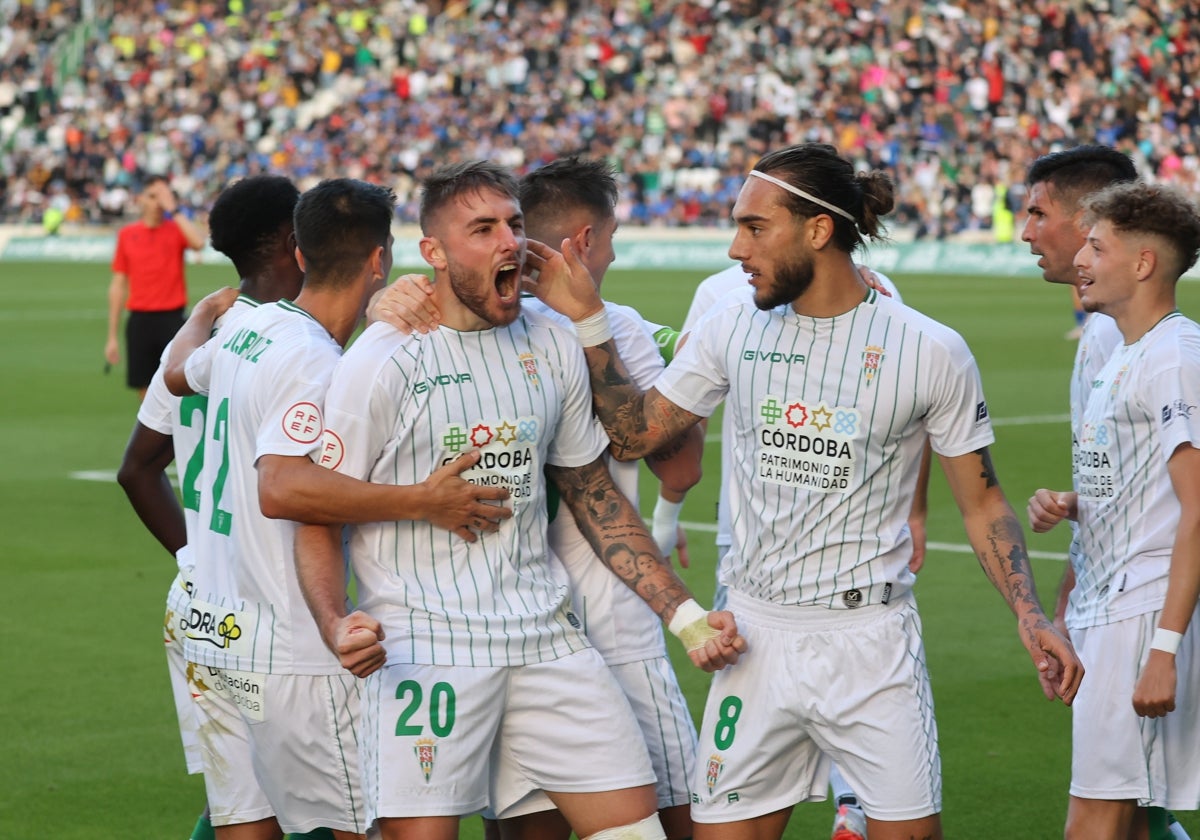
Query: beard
[[474, 291], [792, 279]]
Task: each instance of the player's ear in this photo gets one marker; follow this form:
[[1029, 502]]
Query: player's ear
[[299, 259], [1147, 262], [433, 252], [582, 240], [820, 230]]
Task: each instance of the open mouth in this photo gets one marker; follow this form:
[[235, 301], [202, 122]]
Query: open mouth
[[507, 282]]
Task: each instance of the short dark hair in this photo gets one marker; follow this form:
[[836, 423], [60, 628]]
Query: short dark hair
[[550, 193], [1075, 173], [249, 219], [151, 180], [451, 182], [820, 171], [339, 223], [1157, 209]]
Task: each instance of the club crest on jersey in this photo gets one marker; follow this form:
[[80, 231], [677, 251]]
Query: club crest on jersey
[[426, 751], [715, 765], [872, 357], [530, 366]]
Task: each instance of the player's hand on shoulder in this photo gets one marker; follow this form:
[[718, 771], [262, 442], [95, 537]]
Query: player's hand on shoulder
[[407, 304], [461, 507], [1154, 694], [560, 280], [358, 644], [723, 648], [1059, 670], [872, 280], [1047, 508], [214, 304]]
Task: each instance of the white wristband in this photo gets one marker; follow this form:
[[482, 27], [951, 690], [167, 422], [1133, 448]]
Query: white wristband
[[593, 329], [664, 527], [690, 625], [1165, 640]]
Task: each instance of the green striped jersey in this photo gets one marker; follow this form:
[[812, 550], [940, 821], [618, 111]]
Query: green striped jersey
[[1144, 403], [828, 420], [402, 406]]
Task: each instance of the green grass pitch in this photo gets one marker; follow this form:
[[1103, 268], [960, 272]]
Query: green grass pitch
[[86, 723]]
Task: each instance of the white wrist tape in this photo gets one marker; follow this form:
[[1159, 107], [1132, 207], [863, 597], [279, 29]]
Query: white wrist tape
[[1165, 640], [690, 625], [593, 329], [664, 527]]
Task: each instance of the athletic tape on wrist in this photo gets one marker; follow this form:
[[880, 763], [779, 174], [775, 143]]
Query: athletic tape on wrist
[[593, 329], [690, 625], [1165, 640]]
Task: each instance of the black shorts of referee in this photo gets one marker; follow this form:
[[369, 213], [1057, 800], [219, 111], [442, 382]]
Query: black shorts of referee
[[146, 336]]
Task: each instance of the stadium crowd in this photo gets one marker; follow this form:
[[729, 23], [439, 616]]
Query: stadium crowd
[[955, 99]]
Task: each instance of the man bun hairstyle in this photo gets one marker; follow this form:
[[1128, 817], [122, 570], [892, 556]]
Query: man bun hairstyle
[[829, 179]]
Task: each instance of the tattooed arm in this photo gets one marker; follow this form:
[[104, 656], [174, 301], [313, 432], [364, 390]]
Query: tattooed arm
[[619, 538], [638, 423], [999, 543]]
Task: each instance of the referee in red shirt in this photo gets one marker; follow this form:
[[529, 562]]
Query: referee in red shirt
[[148, 281]]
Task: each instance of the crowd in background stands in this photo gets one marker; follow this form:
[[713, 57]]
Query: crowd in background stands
[[954, 98]]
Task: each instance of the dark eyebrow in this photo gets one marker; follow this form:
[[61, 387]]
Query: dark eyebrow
[[749, 217]]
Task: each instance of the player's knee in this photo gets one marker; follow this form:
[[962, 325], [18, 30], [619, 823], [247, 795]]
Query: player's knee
[[647, 829]]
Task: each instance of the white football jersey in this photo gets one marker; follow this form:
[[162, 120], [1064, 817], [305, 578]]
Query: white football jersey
[[828, 420], [266, 377], [1100, 338], [402, 406], [1142, 406], [183, 419], [617, 621], [712, 289]]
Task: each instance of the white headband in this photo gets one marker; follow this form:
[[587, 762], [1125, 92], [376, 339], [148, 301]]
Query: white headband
[[797, 191]]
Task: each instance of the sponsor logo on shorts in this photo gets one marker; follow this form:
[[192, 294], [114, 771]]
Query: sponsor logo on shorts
[[217, 626], [715, 765], [245, 690], [426, 751]]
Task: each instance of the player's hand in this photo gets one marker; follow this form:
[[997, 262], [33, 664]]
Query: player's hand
[[459, 506], [916, 528], [872, 279], [215, 304], [681, 547], [560, 280], [407, 304], [723, 648], [1049, 507], [357, 643], [1059, 669], [112, 351], [1154, 694]]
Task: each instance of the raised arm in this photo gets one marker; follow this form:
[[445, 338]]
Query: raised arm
[[194, 332], [996, 536], [619, 538]]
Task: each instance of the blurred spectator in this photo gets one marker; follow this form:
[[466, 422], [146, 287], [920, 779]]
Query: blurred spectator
[[954, 98]]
